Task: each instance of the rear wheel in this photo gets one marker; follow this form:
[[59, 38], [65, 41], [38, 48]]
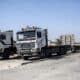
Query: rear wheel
[[50, 54], [25, 57], [59, 54], [6, 54]]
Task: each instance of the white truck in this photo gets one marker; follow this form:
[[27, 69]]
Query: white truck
[[7, 47], [33, 41]]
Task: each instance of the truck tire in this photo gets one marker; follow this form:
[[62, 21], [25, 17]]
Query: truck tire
[[6, 54], [42, 53], [65, 53], [50, 54], [59, 53], [25, 57]]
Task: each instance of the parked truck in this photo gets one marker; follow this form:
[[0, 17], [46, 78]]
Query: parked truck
[[7, 46], [33, 41]]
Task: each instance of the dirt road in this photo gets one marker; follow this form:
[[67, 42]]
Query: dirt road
[[64, 68]]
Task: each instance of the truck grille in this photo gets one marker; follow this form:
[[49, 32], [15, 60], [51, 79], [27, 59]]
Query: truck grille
[[28, 45]]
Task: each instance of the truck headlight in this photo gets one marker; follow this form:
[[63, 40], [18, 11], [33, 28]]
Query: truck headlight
[[33, 50], [1, 49]]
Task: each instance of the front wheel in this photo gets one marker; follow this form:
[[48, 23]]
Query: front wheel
[[42, 54], [6, 54], [25, 57], [59, 53]]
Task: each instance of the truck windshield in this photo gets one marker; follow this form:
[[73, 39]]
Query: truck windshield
[[26, 35]]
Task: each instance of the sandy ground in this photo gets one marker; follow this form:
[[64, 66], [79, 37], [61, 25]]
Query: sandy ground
[[9, 64], [64, 68]]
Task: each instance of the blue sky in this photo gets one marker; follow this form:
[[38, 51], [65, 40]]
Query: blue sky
[[58, 16]]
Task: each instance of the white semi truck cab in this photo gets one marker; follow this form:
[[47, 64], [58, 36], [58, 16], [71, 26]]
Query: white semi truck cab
[[31, 40]]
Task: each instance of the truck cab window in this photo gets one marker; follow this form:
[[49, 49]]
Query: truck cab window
[[2, 37], [39, 34]]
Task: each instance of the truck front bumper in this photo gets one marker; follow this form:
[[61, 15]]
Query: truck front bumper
[[28, 52]]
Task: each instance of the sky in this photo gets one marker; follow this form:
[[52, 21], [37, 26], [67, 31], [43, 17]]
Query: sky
[[58, 16]]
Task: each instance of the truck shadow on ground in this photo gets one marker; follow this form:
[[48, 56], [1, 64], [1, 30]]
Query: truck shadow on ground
[[34, 58], [53, 57], [12, 58], [37, 59]]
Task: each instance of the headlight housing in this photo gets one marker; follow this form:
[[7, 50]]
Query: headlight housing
[[33, 50], [1, 50]]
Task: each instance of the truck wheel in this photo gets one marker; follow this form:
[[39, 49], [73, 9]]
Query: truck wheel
[[50, 54], [42, 54], [65, 53], [6, 54], [25, 57], [59, 54], [46, 55]]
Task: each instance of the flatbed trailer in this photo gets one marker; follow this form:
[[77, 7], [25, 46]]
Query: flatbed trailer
[[58, 50], [76, 48]]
